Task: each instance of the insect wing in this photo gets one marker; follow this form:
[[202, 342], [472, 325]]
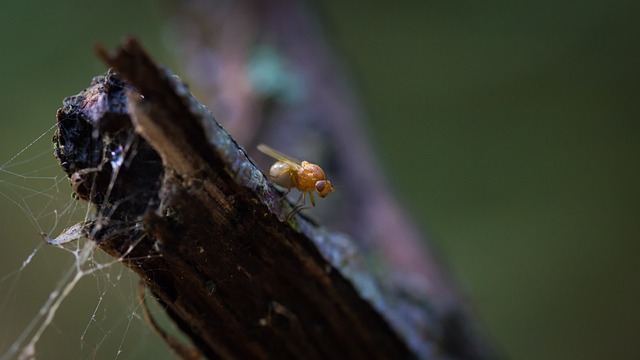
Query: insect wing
[[279, 156]]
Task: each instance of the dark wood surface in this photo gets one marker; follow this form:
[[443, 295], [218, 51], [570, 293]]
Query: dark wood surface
[[185, 207]]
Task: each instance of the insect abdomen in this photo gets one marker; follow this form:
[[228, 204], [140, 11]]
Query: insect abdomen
[[280, 173]]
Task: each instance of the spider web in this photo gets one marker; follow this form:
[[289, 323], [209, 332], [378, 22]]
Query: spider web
[[69, 299]]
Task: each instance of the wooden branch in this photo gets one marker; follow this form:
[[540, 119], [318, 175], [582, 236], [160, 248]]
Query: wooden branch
[[305, 103], [184, 206], [268, 72]]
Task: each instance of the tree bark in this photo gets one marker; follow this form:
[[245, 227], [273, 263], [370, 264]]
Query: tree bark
[[184, 206], [268, 73]]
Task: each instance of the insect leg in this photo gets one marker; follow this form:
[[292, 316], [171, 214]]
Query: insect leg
[[299, 205], [284, 196], [300, 199]]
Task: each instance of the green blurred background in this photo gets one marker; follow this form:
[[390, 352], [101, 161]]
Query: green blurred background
[[510, 129]]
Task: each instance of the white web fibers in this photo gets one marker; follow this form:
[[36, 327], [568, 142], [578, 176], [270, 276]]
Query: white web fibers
[[46, 309]]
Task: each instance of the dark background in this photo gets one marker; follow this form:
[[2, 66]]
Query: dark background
[[509, 129]]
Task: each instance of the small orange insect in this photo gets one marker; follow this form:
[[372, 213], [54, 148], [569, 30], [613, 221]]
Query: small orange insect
[[291, 173]]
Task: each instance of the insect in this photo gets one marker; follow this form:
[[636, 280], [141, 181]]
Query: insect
[[304, 176]]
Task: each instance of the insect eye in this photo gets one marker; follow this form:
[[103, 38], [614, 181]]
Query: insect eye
[[324, 187]]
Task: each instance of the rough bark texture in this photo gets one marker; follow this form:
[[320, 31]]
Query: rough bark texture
[[268, 73], [183, 206]]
